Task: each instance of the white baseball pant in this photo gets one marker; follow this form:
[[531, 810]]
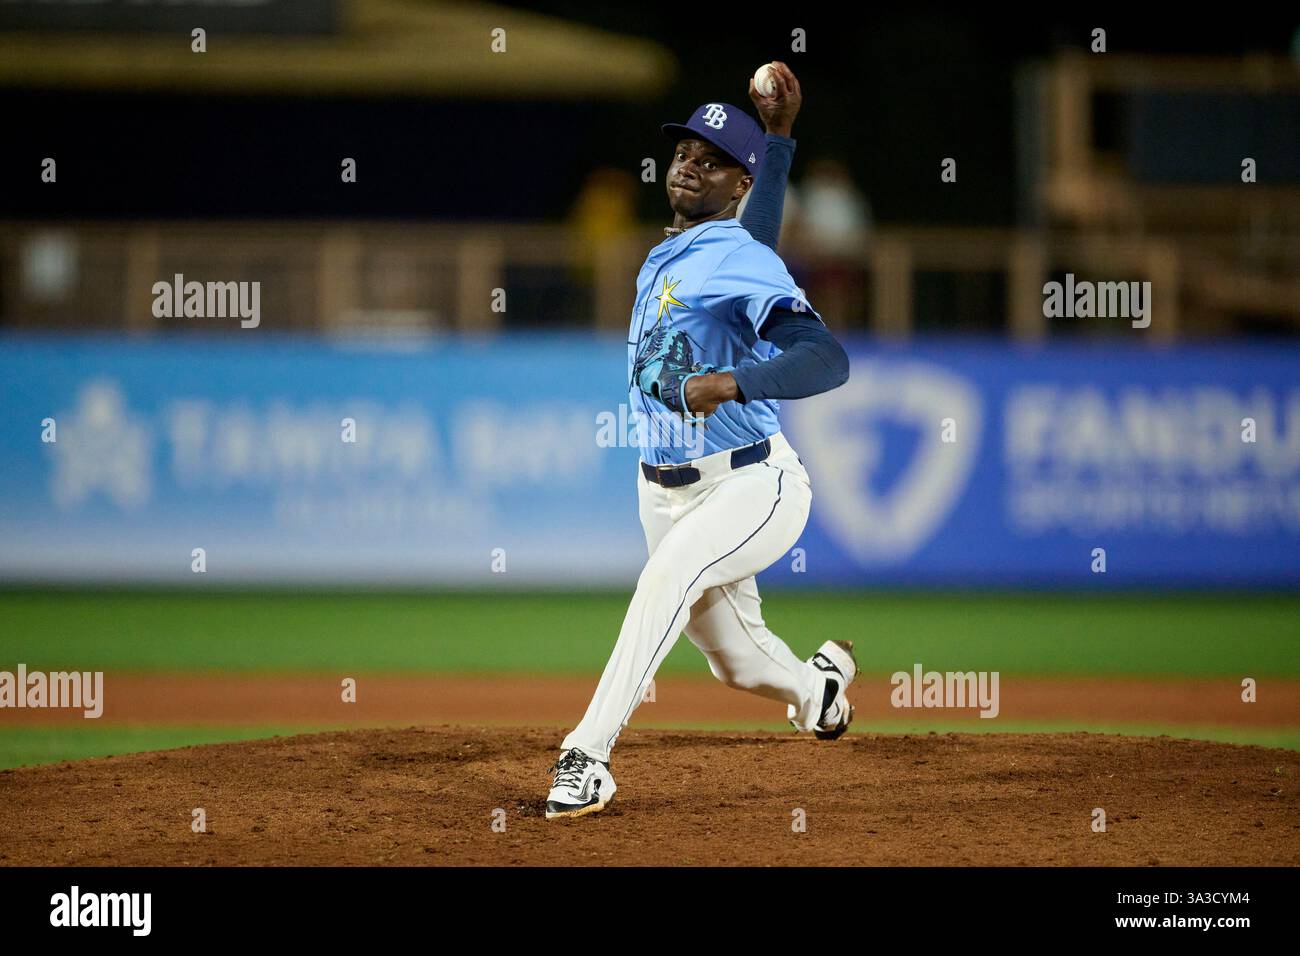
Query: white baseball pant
[[707, 540]]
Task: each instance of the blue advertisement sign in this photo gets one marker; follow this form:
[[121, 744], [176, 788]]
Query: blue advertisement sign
[[512, 461], [298, 461], [984, 464]]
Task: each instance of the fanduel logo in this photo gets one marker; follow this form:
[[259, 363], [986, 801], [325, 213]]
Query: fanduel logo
[[880, 507]]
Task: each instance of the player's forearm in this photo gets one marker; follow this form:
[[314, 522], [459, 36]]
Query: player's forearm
[[763, 211], [807, 367], [811, 361]]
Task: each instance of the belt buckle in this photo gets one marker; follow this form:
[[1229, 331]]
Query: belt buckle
[[661, 470]]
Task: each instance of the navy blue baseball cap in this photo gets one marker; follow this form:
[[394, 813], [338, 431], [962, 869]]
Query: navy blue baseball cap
[[727, 127]]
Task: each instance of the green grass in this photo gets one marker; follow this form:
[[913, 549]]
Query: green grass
[[1198, 634], [29, 746], [1129, 634]]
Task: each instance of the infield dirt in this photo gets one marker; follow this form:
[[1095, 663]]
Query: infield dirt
[[431, 795], [422, 699]]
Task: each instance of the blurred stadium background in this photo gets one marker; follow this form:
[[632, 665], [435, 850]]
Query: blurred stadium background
[[469, 556]]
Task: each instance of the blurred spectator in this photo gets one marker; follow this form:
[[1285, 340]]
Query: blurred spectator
[[605, 211], [832, 216], [828, 224], [49, 266]]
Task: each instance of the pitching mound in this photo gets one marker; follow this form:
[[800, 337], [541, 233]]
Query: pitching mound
[[431, 796]]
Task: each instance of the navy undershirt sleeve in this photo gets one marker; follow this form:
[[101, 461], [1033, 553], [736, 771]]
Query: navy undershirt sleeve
[[762, 218], [812, 361]]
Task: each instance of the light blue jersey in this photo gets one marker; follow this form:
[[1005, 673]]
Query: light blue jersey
[[717, 284]]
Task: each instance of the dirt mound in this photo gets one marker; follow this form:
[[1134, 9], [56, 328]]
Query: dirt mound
[[431, 796]]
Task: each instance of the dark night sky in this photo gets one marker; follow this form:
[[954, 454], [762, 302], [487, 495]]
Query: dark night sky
[[890, 93]]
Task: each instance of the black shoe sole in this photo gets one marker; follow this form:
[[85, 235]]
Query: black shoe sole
[[558, 811]]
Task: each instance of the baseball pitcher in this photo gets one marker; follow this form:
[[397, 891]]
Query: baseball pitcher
[[719, 335]]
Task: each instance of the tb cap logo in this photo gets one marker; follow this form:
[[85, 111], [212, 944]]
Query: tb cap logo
[[714, 116]]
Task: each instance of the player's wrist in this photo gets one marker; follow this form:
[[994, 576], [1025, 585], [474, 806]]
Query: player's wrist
[[711, 390], [727, 389]]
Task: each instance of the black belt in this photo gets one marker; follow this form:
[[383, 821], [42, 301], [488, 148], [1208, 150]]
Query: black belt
[[674, 476]]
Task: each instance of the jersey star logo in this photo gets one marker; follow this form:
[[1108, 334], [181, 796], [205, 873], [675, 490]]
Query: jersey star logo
[[666, 300]]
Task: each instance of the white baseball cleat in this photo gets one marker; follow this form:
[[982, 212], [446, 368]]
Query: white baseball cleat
[[835, 659], [581, 786]]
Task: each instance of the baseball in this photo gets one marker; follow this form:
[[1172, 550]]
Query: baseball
[[765, 80]]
